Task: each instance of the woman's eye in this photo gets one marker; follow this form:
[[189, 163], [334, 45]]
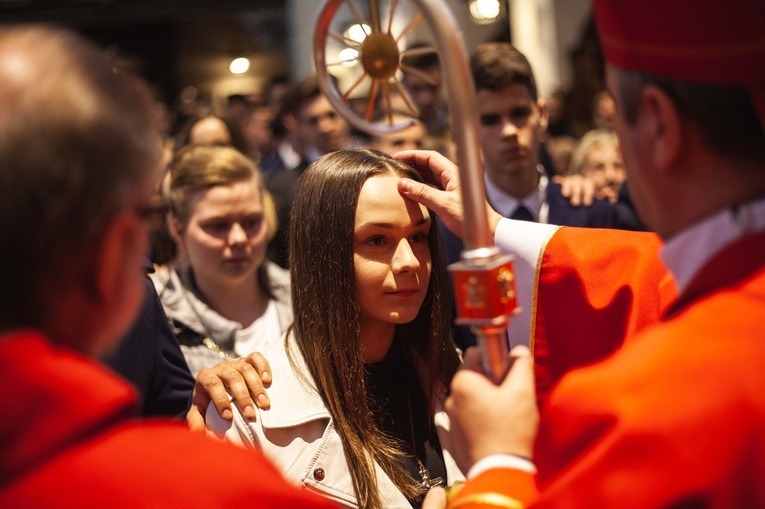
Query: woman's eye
[[217, 227], [418, 238], [376, 241], [252, 224]]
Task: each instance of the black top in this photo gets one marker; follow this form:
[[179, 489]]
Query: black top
[[397, 400], [150, 358]]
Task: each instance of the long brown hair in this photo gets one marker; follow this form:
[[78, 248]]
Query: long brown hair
[[326, 325]]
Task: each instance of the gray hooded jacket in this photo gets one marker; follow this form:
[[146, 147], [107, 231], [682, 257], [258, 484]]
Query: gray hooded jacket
[[207, 338]]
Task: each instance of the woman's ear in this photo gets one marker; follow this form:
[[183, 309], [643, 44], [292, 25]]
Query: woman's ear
[[270, 215], [175, 228]]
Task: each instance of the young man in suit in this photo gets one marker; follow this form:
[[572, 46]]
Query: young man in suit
[[512, 119]]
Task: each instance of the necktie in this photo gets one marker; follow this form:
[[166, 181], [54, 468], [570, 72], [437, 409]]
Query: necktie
[[521, 213]]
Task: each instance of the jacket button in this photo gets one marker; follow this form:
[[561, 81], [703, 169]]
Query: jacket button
[[318, 474]]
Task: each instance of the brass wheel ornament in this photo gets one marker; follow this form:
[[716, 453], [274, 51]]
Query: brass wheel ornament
[[484, 284], [380, 57]]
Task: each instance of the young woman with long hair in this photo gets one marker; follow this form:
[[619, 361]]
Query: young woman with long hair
[[360, 376]]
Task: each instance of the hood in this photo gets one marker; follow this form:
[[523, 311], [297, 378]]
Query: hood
[[183, 305], [52, 399]]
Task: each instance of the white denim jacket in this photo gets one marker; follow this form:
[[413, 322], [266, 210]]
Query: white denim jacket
[[298, 435]]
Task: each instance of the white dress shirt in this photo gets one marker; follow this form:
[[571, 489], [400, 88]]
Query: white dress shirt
[[535, 201]]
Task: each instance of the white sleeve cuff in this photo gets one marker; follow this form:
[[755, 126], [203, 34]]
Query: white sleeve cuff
[[501, 461], [525, 241]]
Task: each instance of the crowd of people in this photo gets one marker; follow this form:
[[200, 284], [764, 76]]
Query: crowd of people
[[272, 278]]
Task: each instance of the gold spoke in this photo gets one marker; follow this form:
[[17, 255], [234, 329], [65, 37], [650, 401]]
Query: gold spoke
[[374, 12], [418, 52], [372, 99], [393, 6], [356, 14], [422, 75], [411, 26], [345, 61], [344, 40], [347, 94], [386, 100], [406, 97]]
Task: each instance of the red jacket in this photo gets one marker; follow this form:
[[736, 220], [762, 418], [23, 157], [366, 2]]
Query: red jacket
[[67, 439], [675, 418]]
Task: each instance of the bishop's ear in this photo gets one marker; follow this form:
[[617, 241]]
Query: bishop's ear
[[113, 256], [114, 285], [661, 124]]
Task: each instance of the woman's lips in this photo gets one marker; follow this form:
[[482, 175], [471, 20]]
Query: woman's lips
[[410, 292]]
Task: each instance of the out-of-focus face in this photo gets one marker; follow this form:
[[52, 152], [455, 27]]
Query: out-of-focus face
[[320, 127], [426, 94], [409, 138], [258, 130], [604, 165], [209, 131], [147, 209], [391, 255], [510, 124], [605, 113], [226, 235]]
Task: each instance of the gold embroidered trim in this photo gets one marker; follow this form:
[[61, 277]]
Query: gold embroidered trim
[[488, 498], [535, 291]]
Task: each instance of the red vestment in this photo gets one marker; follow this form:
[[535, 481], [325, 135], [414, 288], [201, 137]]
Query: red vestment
[[589, 299], [67, 439], [674, 418]]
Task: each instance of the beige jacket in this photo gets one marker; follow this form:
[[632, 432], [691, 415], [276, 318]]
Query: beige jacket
[[297, 434]]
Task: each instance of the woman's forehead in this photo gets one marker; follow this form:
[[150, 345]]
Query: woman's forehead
[[380, 201]]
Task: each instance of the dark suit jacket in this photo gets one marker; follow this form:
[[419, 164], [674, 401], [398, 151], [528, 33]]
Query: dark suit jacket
[[151, 359], [282, 186], [600, 214]]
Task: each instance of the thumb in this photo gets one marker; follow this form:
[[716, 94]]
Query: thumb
[[421, 193], [435, 499], [446, 204], [195, 420], [521, 374]]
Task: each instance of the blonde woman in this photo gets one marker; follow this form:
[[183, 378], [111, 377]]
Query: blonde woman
[[225, 299]]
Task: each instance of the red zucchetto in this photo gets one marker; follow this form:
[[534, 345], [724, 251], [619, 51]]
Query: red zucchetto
[[703, 41]]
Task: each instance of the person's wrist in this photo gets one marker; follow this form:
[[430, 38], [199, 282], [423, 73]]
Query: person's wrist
[[493, 461], [494, 218]]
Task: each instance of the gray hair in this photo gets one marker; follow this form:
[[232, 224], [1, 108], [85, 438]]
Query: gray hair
[[77, 141]]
